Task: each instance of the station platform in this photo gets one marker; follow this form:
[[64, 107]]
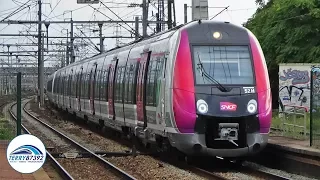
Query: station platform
[[293, 145], [8, 173]]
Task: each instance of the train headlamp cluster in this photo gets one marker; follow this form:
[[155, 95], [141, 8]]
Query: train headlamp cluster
[[252, 106], [202, 106]]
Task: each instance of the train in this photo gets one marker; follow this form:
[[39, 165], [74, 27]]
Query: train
[[202, 88]]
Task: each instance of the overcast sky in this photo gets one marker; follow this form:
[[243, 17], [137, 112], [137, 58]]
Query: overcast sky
[[239, 11]]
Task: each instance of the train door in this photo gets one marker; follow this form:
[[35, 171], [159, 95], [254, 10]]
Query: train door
[[93, 87], [141, 88], [112, 73]]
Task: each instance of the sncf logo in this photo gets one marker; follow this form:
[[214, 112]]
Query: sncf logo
[[228, 106]]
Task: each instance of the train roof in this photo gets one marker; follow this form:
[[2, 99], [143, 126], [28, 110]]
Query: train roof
[[164, 34]]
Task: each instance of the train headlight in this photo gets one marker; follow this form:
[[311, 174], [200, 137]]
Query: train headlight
[[252, 106], [217, 35], [202, 106]]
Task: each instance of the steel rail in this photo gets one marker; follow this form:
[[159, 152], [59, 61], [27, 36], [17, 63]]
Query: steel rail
[[58, 166], [206, 174], [265, 174], [120, 171]]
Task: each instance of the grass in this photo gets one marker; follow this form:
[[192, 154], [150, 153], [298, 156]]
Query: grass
[[6, 130], [295, 132]]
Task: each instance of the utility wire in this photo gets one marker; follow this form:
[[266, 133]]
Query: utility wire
[[120, 18], [17, 10], [89, 39], [220, 12], [111, 19], [53, 9]]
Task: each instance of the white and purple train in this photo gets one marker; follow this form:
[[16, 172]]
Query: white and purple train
[[202, 87]]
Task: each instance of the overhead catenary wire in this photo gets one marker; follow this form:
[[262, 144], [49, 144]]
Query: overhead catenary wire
[[17, 10], [120, 18], [219, 12]]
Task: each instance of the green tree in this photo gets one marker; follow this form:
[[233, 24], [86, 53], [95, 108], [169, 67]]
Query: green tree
[[288, 30]]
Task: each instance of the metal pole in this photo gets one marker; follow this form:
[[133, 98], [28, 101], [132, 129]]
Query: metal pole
[[137, 27], [144, 17], [101, 38], [71, 43], [19, 103], [174, 14], [8, 83], [185, 13], [67, 51], [169, 14], [41, 74], [39, 49]]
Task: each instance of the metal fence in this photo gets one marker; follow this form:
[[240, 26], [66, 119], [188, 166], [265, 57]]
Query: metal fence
[[315, 107]]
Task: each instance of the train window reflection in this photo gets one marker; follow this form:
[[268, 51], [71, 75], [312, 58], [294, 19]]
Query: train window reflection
[[226, 64]]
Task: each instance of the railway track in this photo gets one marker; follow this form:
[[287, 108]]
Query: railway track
[[210, 169], [263, 174], [61, 170], [116, 172], [211, 173]]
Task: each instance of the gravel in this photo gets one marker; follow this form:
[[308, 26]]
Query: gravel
[[80, 168], [92, 170], [276, 171], [49, 138]]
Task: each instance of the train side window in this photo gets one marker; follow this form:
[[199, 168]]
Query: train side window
[[134, 83], [158, 75], [103, 85], [94, 80], [77, 83], [64, 78], [84, 82], [151, 78], [89, 83], [121, 82], [128, 86], [97, 84], [57, 84], [117, 84], [63, 83], [80, 82], [66, 83], [60, 83], [70, 83]]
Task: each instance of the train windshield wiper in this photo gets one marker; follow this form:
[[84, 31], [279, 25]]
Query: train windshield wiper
[[210, 78]]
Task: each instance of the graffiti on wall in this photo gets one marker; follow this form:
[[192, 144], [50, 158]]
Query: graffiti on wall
[[297, 76], [294, 86]]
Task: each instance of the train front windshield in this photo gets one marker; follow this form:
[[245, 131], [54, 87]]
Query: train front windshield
[[225, 64]]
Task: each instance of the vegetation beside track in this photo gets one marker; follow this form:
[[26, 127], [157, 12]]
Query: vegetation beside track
[[6, 130]]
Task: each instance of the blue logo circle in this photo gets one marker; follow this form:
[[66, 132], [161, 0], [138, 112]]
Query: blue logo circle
[[26, 153]]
